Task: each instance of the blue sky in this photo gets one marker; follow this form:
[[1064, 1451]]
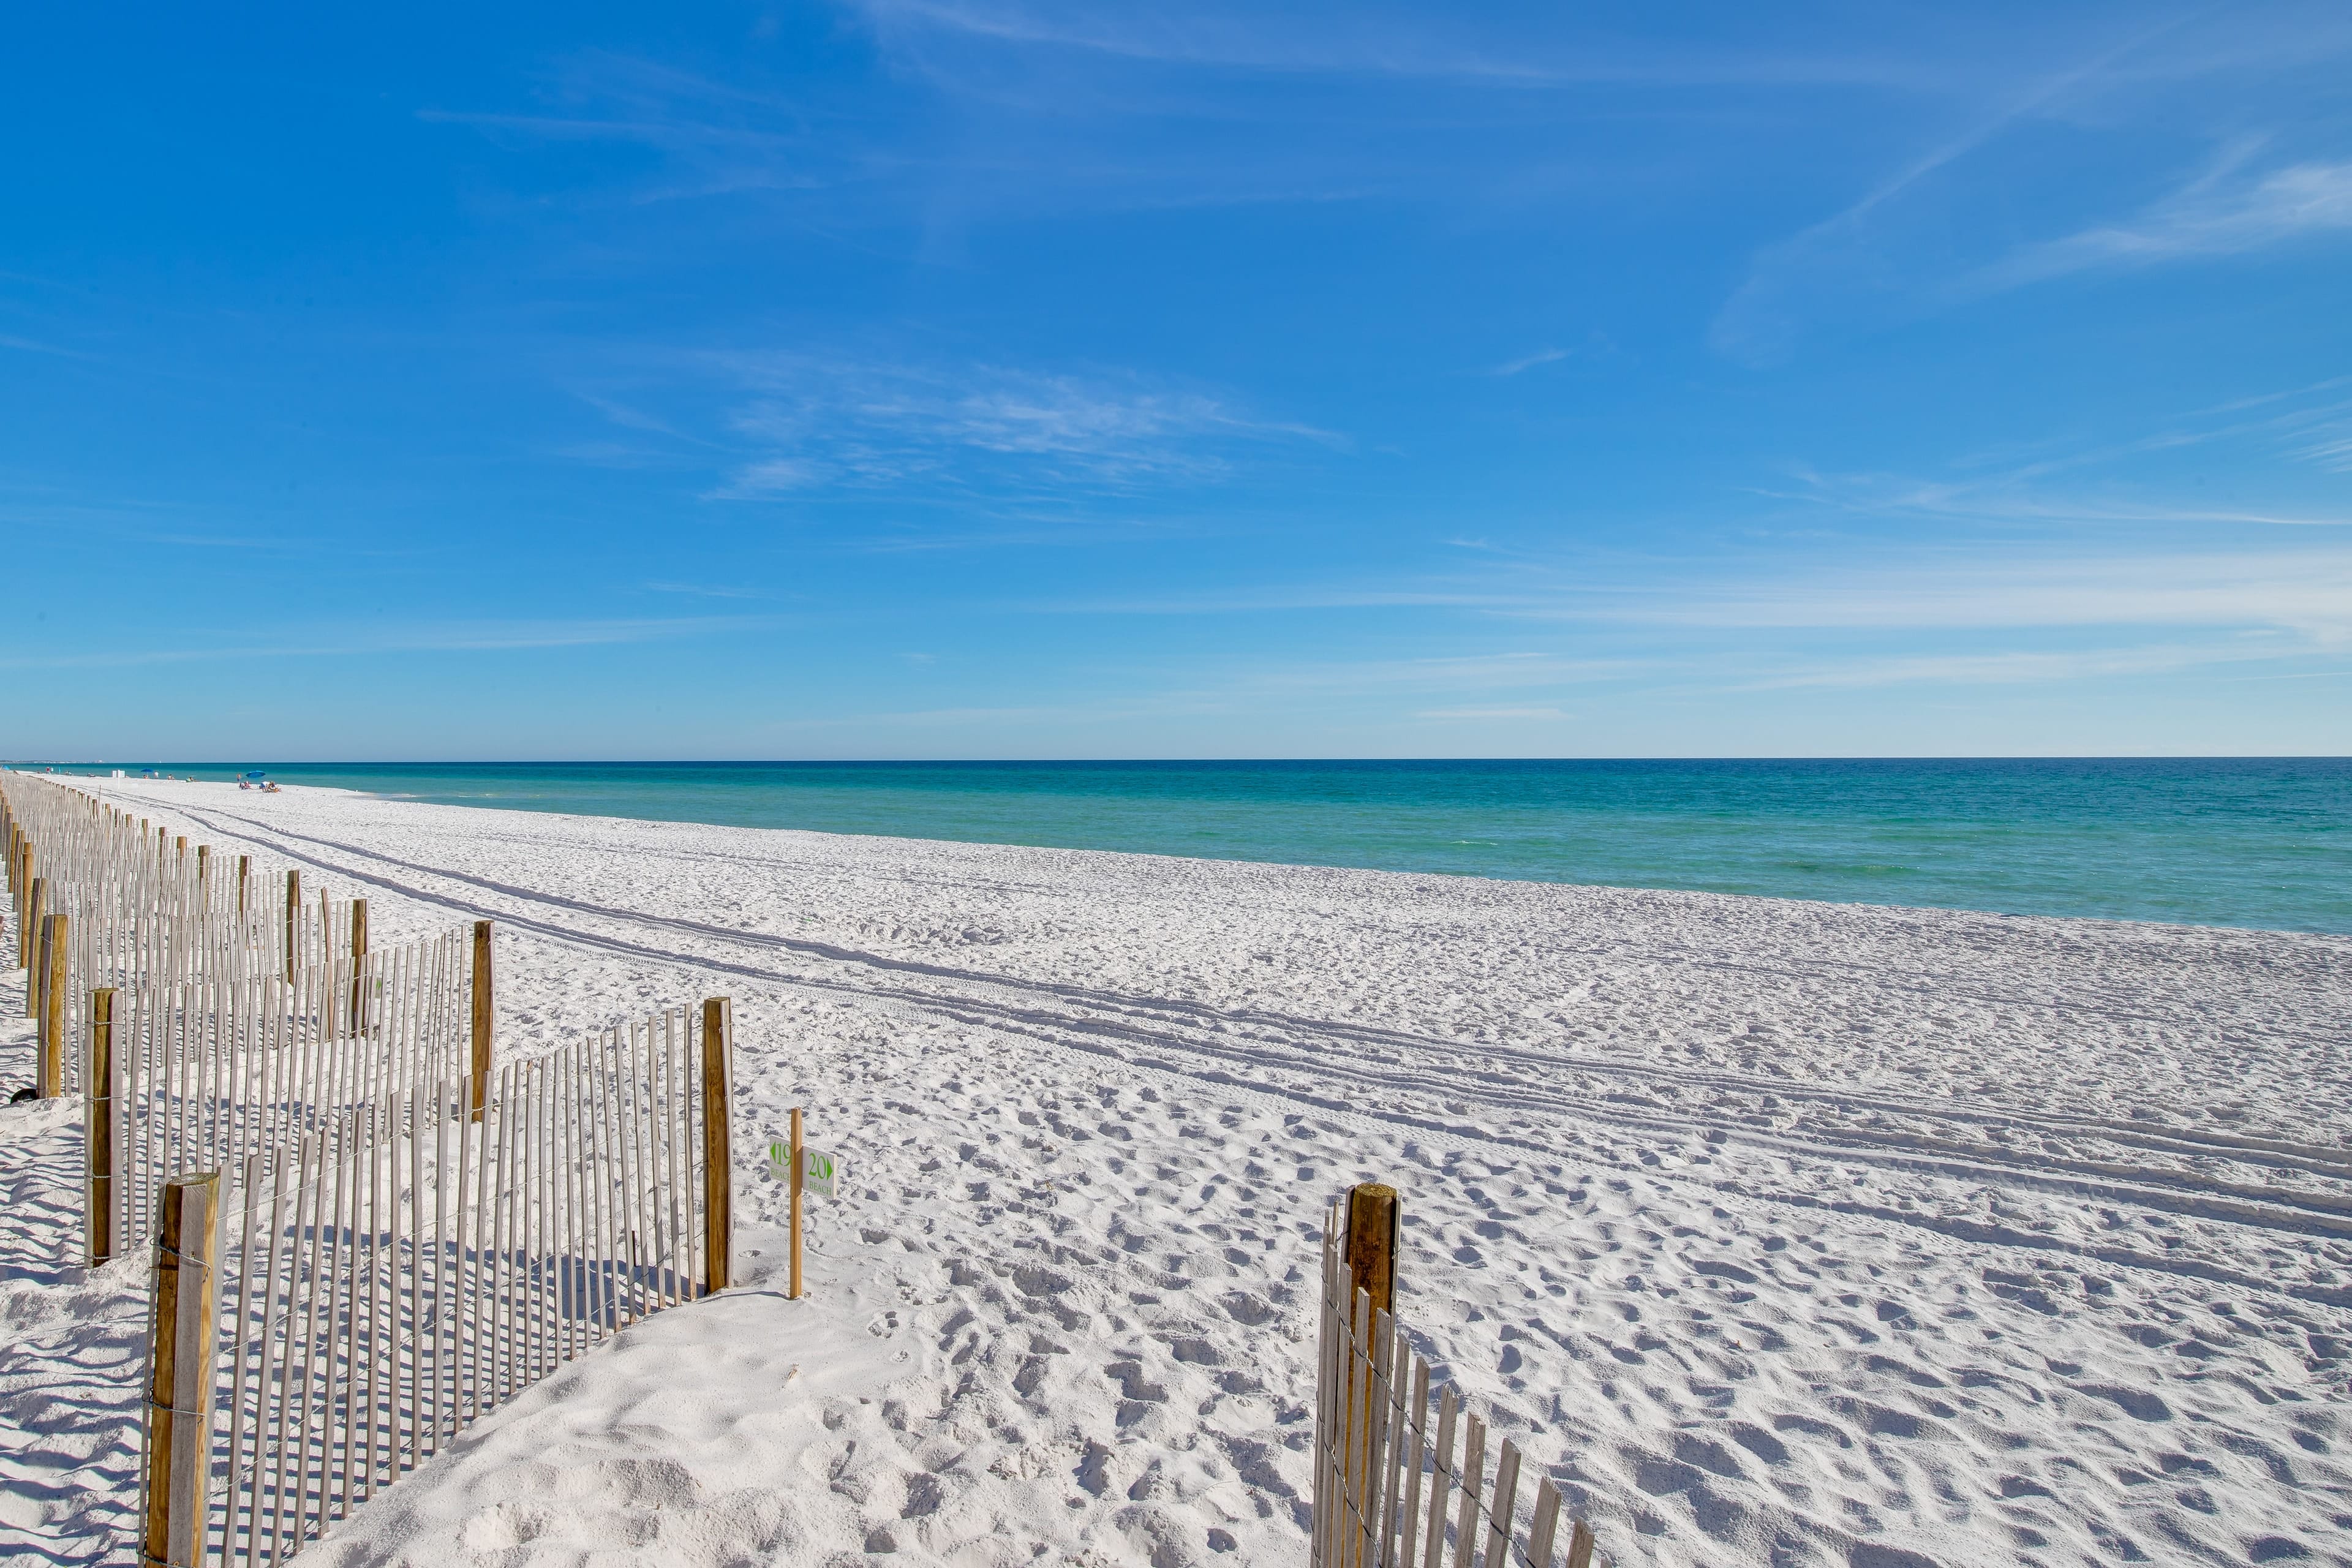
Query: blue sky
[[968, 380]]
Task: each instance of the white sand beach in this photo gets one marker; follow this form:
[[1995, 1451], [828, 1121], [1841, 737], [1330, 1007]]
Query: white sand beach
[[1776, 1232]]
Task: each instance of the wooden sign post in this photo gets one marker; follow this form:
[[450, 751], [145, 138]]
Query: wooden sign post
[[180, 1379], [794, 1292], [99, 1134], [719, 1165]]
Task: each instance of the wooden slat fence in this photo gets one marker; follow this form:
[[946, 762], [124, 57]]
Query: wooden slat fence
[[205, 1074], [407, 1265], [1392, 1488], [141, 905]]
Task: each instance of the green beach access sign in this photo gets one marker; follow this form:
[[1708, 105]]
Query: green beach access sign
[[820, 1172]]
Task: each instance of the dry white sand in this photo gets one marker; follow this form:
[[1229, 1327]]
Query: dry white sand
[[1779, 1232]]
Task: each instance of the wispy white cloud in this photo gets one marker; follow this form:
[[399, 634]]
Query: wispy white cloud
[[2303, 596], [29, 346], [2005, 501], [1356, 42], [2018, 666], [716, 137], [768, 477], [705, 591], [2226, 210], [2052, 478], [1472, 715], [879, 424], [1530, 362], [456, 637], [1838, 257], [2308, 593], [1931, 232]]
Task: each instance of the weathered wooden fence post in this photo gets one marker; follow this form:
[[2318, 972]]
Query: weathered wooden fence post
[[359, 962], [243, 880], [293, 917], [1371, 1273], [484, 1018], [1372, 1242], [99, 1133], [719, 1165], [179, 1376], [54, 954]]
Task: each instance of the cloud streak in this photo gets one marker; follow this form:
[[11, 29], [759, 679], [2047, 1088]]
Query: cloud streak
[[479, 636], [878, 426], [2226, 211]]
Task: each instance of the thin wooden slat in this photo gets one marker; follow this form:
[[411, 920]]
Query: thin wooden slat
[[608, 1248], [544, 1299], [1545, 1525], [248, 1201], [1443, 1478], [1373, 1492], [295, 1407], [607, 1135], [1409, 1521], [675, 1123], [342, 1365], [415, 1451], [1395, 1415], [572, 1192], [636, 1150], [1327, 1399], [1472, 1478], [510, 1354], [379, 1144], [1498, 1510], [591, 1189], [482, 1303], [465, 1283]]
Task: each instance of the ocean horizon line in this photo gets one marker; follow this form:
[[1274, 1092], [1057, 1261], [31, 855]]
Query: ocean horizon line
[[1892, 757]]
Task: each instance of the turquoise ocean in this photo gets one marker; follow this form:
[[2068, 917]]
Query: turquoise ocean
[[2260, 842]]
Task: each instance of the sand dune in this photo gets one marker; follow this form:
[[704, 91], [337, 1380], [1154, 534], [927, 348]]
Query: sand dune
[[1777, 1232]]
